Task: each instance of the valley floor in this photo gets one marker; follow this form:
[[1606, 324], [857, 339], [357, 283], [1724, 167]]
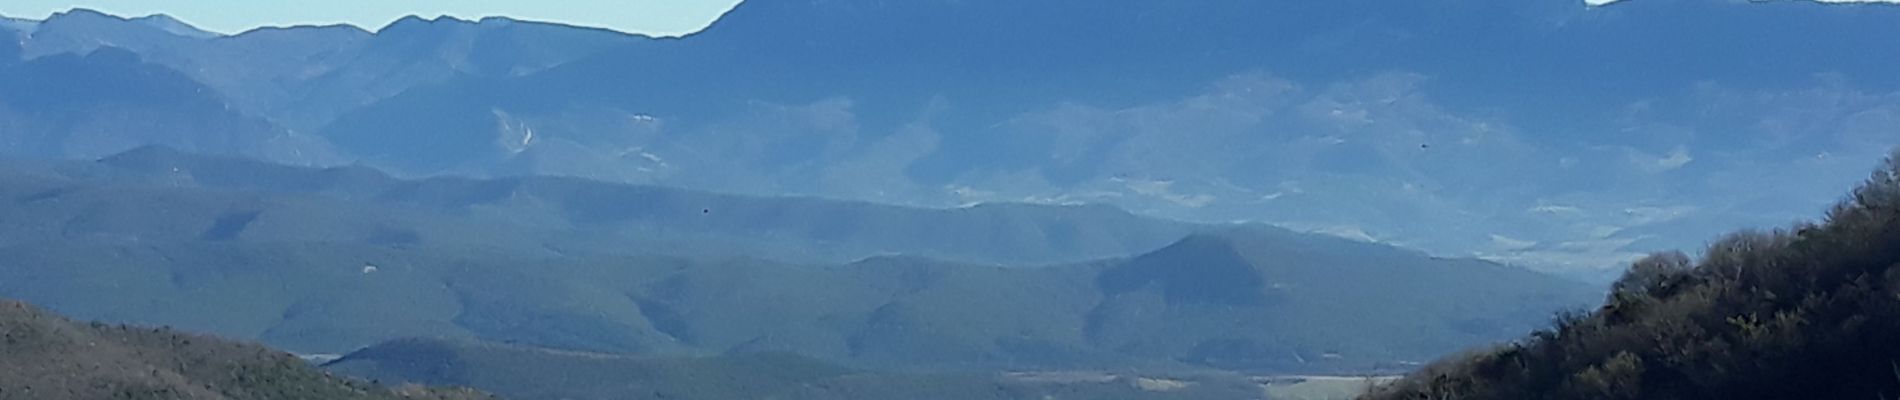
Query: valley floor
[[1274, 387]]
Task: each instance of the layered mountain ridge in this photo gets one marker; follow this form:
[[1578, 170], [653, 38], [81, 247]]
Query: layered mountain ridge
[[330, 260], [1599, 140]]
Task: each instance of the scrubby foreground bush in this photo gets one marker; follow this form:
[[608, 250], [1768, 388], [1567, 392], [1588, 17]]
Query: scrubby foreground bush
[[1807, 313]]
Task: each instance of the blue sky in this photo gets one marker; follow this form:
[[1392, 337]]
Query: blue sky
[[657, 17]]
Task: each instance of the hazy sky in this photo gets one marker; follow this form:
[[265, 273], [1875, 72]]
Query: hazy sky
[[658, 17]]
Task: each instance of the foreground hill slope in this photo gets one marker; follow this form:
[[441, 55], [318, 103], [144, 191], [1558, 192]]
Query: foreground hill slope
[[1808, 312], [46, 357], [526, 373]]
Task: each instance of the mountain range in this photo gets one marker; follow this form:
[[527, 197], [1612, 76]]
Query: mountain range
[[551, 215], [1010, 199], [330, 260], [1556, 135]]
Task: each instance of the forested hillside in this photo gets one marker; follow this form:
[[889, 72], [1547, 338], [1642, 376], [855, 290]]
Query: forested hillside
[[1808, 312]]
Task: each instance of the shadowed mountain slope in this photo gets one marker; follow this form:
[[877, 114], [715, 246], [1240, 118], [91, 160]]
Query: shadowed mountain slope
[[108, 101]]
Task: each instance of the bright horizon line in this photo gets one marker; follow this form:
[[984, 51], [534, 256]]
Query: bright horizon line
[[687, 29]]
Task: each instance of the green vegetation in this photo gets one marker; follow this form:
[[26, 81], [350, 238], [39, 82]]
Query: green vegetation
[[46, 357], [1810, 312]]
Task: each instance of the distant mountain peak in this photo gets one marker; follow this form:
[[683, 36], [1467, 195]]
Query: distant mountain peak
[[163, 23], [82, 12], [497, 20], [422, 24], [349, 29], [18, 24], [175, 27], [419, 22]]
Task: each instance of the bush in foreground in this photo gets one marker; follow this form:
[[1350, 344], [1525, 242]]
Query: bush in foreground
[[1811, 312]]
